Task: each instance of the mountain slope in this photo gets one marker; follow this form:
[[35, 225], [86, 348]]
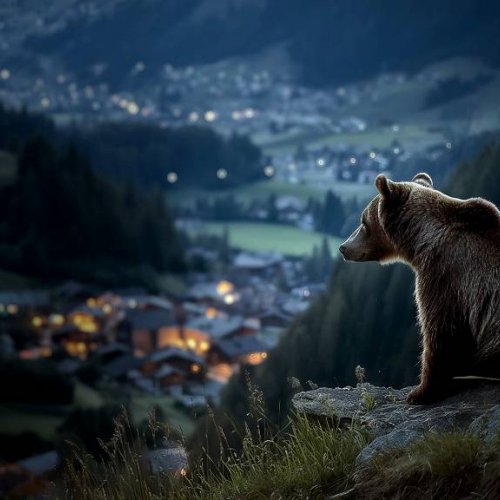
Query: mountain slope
[[332, 41]]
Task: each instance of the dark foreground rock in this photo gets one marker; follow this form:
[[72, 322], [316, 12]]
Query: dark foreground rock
[[395, 424]]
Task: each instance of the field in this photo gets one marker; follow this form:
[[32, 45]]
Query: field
[[270, 237], [261, 191], [44, 420]]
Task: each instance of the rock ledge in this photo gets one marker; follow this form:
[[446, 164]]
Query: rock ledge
[[395, 424]]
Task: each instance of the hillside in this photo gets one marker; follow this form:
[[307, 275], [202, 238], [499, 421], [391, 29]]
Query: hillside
[[319, 35], [60, 219]]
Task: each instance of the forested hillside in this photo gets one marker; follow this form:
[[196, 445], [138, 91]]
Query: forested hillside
[[59, 218], [145, 154], [366, 318], [330, 41]]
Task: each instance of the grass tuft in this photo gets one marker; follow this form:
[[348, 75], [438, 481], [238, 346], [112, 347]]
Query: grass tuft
[[451, 465]]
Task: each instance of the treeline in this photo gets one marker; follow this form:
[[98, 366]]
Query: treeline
[[59, 218], [367, 318], [146, 154]]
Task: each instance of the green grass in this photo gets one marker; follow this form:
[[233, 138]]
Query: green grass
[[306, 461], [86, 397], [448, 465], [269, 237], [16, 420], [141, 406]]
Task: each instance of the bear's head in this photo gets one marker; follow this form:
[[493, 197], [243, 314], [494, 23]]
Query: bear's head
[[371, 240]]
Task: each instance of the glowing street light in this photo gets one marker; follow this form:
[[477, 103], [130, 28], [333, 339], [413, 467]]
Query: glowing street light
[[269, 171], [210, 116], [221, 173], [172, 177]]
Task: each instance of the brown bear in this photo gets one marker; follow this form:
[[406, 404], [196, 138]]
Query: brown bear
[[453, 246]]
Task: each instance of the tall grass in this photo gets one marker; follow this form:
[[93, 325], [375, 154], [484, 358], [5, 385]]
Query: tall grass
[[306, 459]]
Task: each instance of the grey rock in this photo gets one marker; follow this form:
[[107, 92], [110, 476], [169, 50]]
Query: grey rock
[[487, 425], [395, 424]]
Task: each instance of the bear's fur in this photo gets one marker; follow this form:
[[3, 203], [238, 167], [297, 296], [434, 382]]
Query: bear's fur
[[453, 246]]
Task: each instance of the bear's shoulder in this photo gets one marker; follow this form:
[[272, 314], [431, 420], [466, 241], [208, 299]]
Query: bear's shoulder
[[478, 214]]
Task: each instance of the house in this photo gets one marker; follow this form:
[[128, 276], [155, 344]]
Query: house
[[168, 375], [149, 329], [216, 328], [188, 363], [88, 319], [247, 350], [275, 318]]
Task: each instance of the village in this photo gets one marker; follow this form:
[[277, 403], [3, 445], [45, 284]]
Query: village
[[185, 347]]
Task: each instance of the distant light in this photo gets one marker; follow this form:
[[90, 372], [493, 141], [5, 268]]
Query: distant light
[[191, 343], [172, 177], [12, 309], [269, 171], [373, 155], [194, 116], [195, 368], [249, 113], [321, 162], [37, 321], [292, 167], [448, 145], [210, 116], [224, 287], [107, 309], [139, 67], [45, 102], [132, 108], [395, 128], [221, 173], [56, 319], [229, 299], [5, 74], [396, 151], [204, 346], [353, 160], [263, 355], [132, 303], [91, 302], [236, 115]]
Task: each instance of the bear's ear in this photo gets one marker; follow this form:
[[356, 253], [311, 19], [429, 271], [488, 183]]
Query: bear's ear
[[423, 179], [384, 185]]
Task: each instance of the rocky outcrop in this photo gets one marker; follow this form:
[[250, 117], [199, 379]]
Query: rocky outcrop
[[393, 424]]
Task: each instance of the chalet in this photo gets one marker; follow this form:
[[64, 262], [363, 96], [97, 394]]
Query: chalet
[[188, 363], [248, 350], [257, 261], [275, 318], [149, 329], [168, 375]]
